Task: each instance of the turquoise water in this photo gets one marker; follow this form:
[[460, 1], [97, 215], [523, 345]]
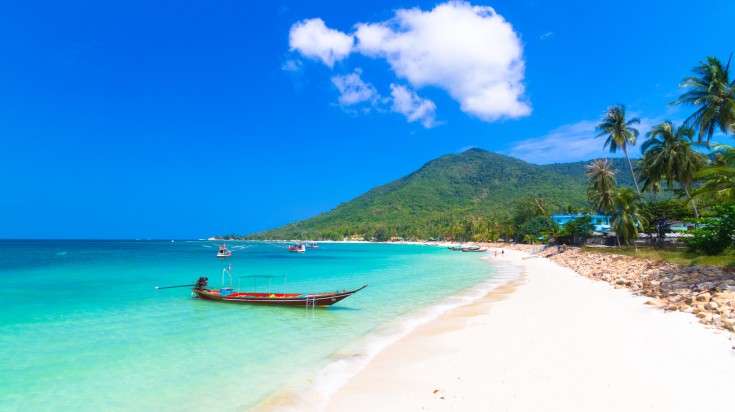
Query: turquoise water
[[82, 326]]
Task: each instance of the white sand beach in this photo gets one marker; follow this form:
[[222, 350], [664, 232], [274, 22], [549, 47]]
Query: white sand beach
[[551, 341]]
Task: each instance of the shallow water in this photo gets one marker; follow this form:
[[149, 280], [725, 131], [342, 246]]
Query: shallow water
[[83, 328]]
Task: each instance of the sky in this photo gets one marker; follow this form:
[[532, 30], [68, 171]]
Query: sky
[[184, 120]]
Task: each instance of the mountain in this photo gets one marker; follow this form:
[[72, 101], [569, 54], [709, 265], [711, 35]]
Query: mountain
[[577, 169], [445, 191]]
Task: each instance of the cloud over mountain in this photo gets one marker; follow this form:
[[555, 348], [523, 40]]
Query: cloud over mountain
[[471, 52]]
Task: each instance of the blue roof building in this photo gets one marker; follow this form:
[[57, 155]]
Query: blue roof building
[[601, 222]]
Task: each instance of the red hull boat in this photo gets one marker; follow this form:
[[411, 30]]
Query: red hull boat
[[228, 295], [276, 299]]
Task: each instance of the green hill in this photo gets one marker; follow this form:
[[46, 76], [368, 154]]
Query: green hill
[[443, 192], [577, 169]]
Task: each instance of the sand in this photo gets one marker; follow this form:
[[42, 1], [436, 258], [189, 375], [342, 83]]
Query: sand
[[550, 341]]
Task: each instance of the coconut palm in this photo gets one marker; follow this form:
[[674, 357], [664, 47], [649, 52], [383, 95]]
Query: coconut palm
[[648, 177], [668, 156], [712, 91], [540, 207], [474, 223], [601, 184], [627, 219], [570, 210], [619, 133], [719, 177]]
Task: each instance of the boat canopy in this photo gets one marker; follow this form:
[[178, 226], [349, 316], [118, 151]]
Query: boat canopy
[[256, 277]]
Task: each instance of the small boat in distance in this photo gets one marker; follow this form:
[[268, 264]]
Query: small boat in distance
[[297, 248], [456, 247], [474, 249], [223, 252], [312, 245]]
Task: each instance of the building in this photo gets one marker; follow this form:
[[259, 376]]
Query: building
[[679, 226], [601, 222]]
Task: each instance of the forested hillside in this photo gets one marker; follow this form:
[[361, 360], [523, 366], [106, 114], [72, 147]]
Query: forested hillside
[[446, 195]]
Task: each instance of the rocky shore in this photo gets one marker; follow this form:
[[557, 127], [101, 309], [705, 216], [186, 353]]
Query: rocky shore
[[706, 292]]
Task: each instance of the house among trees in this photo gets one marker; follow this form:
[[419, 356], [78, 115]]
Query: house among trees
[[600, 222]]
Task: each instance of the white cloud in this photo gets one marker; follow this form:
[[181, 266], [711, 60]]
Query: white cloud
[[568, 143], [313, 39], [471, 52], [408, 103], [575, 142], [291, 66], [546, 35], [353, 89]]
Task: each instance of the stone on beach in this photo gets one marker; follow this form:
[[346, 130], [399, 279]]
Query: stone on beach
[[675, 288]]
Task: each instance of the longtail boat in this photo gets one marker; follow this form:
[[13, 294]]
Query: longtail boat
[[277, 299], [229, 295], [297, 248]]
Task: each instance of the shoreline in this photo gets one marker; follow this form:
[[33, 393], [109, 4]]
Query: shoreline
[[346, 363], [553, 341]]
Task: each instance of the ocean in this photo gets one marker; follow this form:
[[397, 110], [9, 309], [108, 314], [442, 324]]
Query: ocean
[[83, 328]]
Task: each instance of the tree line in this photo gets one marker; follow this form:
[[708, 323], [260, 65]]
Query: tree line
[[677, 158]]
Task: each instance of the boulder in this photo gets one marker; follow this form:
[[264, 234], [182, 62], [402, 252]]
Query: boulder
[[704, 297]]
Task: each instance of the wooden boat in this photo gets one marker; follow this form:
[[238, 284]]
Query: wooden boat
[[312, 245], [474, 249], [228, 295], [223, 252], [297, 248], [456, 247]]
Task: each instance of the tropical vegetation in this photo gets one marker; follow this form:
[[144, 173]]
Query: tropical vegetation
[[674, 161], [620, 134], [712, 92], [478, 195]]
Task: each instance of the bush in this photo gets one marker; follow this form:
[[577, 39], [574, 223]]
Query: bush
[[717, 233], [536, 227], [579, 226]]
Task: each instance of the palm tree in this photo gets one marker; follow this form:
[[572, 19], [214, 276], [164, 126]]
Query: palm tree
[[619, 133], [668, 155], [627, 219], [474, 223], [719, 177], [601, 184], [540, 207], [649, 177], [711, 90]]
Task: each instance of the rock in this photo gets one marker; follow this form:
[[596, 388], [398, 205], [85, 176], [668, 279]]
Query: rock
[[705, 286], [679, 285], [711, 305], [704, 297], [655, 302]]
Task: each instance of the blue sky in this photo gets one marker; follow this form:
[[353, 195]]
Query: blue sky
[[128, 119]]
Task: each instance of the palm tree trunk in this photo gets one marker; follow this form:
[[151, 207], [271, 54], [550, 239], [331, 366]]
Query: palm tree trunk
[[694, 206], [630, 166]]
